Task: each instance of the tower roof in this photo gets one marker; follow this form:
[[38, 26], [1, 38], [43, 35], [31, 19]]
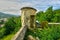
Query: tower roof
[[28, 8]]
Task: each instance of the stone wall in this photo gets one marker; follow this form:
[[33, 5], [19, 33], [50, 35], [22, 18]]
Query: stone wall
[[27, 17], [20, 34], [26, 13]]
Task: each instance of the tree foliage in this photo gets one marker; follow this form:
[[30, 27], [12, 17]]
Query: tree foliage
[[11, 26], [49, 15], [50, 33]]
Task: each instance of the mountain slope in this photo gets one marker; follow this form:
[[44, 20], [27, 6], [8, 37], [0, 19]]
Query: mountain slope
[[3, 15]]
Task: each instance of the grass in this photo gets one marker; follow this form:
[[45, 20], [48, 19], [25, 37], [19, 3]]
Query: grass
[[8, 37]]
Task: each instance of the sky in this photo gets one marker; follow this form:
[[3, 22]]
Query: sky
[[14, 6]]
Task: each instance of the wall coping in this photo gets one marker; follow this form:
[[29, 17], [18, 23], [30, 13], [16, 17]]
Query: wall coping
[[18, 33]]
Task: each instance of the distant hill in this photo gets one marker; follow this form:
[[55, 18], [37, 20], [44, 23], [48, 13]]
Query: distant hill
[[3, 15], [57, 10]]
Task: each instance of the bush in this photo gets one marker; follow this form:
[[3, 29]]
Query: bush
[[44, 24], [11, 27], [51, 33], [2, 31], [13, 24]]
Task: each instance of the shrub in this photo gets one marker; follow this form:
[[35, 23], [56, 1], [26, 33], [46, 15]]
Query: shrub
[[13, 24], [50, 33], [2, 31], [44, 24], [11, 27]]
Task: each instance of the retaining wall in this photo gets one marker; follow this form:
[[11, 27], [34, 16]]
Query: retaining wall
[[20, 34]]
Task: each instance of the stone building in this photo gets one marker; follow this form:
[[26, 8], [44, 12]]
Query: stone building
[[28, 16]]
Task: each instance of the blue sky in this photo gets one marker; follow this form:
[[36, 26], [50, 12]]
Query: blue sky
[[14, 6]]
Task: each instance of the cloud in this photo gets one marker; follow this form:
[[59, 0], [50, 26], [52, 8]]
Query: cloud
[[6, 6], [14, 6]]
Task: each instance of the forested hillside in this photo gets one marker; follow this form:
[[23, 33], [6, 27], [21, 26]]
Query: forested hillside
[[3, 15], [49, 15], [14, 24]]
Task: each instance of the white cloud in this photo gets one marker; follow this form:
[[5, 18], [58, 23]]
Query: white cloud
[[13, 6]]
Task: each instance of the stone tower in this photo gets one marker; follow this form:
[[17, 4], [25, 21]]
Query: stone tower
[[28, 16]]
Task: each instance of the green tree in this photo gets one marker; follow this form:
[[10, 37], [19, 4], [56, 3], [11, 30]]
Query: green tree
[[49, 14], [41, 16], [13, 24]]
